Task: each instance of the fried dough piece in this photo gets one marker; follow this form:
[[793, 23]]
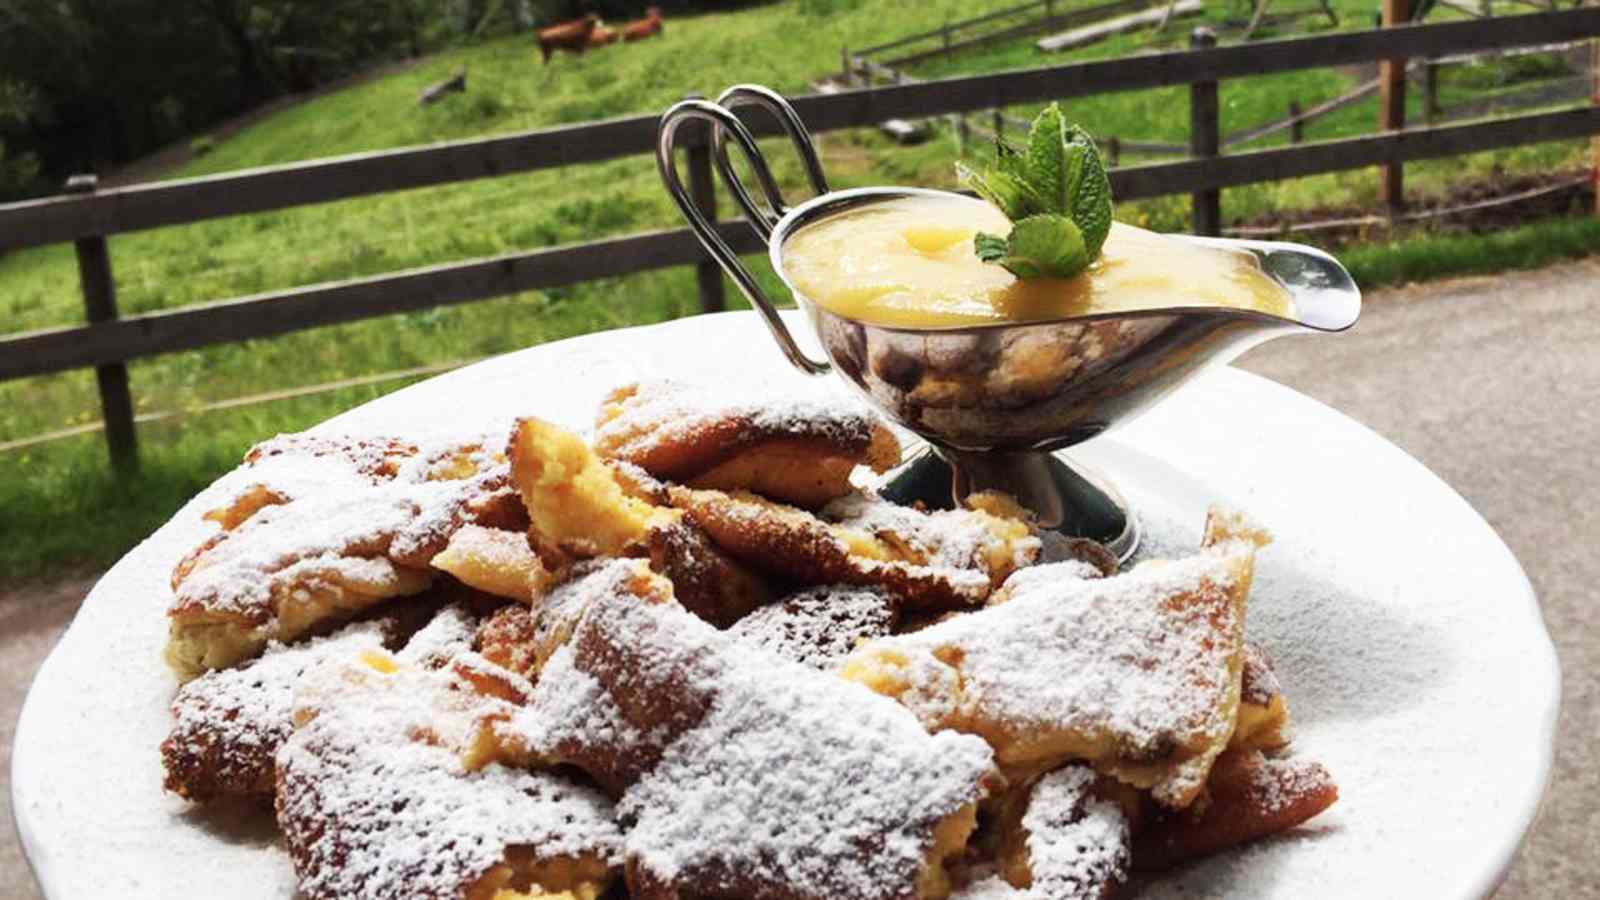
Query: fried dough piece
[[796, 451], [575, 502], [384, 791], [708, 582], [1263, 711], [793, 784], [792, 544], [321, 529], [522, 639], [1249, 796], [228, 724], [495, 561], [1059, 840], [1137, 674], [820, 626], [992, 543]]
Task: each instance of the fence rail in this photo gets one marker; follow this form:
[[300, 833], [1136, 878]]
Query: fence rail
[[109, 341]]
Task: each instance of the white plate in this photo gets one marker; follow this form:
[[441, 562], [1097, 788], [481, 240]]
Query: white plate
[[1407, 638]]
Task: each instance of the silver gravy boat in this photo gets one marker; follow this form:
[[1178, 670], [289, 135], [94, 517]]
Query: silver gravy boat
[[995, 401]]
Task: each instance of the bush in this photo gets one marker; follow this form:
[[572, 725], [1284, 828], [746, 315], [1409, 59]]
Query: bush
[[202, 145]]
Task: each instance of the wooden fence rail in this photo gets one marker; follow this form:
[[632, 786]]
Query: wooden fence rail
[[109, 341]]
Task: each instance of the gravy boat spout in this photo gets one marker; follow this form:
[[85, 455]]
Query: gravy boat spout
[[995, 401]]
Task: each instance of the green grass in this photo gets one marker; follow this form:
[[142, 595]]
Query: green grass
[[61, 507]]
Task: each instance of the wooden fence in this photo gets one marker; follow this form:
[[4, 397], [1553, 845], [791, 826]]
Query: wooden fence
[[86, 216]]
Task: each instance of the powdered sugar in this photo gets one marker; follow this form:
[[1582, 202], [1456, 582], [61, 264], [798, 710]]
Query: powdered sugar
[[1077, 844], [667, 415], [949, 538], [775, 780], [374, 800], [1142, 660], [819, 626]]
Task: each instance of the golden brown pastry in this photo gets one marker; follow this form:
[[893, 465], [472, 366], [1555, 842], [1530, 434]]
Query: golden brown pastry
[[1248, 797], [319, 530], [793, 450], [386, 790], [1059, 839], [819, 626], [1137, 674], [797, 785]]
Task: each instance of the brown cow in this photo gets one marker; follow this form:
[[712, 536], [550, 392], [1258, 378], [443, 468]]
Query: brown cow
[[571, 36], [602, 36], [639, 29]]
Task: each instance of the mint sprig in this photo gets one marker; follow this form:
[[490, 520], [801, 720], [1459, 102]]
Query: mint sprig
[[1056, 194]]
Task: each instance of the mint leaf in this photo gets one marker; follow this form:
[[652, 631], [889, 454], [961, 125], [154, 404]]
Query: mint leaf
[[1058, 185], [990, 247], [1039, 246]]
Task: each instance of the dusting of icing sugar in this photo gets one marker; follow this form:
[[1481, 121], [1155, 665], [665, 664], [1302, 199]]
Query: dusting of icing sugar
[[228, 724], [1259, 683], [948, 538], [773, 779], [1279, 783], [449, 634], [1078, 845], [374, 801], [668, 414], [819, 626], [1108, 656]]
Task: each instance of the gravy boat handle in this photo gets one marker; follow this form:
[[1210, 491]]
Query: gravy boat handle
[[724, 123]]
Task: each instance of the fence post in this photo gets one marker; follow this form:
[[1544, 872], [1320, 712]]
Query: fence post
[[1392, 108], [849, 71], [1297, 125], [1430, 90], [999, 124], [703, 190], [1113, 152], [1594, 142], [945, 31], [1204, 140], [100, 305]]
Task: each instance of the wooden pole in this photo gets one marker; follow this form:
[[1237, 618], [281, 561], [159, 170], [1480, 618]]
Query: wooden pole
[[703, 190], [1113, 153], [999, 124], [849, 71], [1430, 91], [1392, 107], [1594, 142], [1297, 125], [100, 305], [1205, 139]]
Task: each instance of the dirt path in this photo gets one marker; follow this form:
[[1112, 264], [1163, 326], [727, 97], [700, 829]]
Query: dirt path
[[1489, 381]]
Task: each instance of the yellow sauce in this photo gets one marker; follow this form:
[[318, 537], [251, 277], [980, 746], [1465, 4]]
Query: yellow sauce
[[910, 262]]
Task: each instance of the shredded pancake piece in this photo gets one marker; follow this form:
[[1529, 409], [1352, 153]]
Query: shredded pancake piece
[[382, 794], [1060, 841], [322, 529], [820, 626], [744, 775], [1263, 710], [229, 723], [1137, 674], [796, 450], [792, 544], [973, 538], [1249, 796], [495, 561]]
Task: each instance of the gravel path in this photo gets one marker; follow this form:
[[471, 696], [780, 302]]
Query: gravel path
[[1492, 382]]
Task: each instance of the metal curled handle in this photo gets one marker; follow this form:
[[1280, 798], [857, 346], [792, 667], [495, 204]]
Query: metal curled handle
[[763, 220], [721, 120]]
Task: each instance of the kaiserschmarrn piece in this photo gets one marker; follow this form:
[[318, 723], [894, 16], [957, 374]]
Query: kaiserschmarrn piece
[[495, 561], [1248, 797], [1059, 840], [320, 530], [1137, 674], [820, 626], [228, 724], [576, 504], [750, 776], [385, 791], [1263, 710], [795, 450], [794, 545]]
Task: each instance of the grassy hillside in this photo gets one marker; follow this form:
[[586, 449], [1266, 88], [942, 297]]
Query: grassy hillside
[[59, 492]]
